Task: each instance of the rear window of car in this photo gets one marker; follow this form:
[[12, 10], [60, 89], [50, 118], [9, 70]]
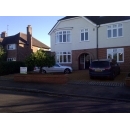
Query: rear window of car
[[100, 64]]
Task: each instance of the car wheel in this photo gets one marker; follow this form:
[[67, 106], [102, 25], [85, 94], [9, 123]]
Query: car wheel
[[66, 71], [43, 71]]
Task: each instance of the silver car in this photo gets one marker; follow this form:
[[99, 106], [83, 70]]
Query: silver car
[[56, 68]]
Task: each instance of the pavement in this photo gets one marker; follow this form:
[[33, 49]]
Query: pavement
[[85, 89]]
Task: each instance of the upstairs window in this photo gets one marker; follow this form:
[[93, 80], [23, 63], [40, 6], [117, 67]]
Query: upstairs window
[[84, 35], [115, 30], [11, 46], [62, 37]]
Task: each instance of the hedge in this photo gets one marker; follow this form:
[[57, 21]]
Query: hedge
[[11, 67]]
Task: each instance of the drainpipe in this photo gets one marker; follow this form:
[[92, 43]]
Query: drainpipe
[[97, 39]]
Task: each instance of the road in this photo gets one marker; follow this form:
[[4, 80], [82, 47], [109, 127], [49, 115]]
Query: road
[[25, 102]]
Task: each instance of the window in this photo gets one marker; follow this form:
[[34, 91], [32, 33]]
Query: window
[[116, 53], [84, 35], [62, 37], [11, 47], [63, 57], [11, 59], [114, 31]]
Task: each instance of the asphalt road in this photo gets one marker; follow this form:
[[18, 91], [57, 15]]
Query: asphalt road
[[25, 102]]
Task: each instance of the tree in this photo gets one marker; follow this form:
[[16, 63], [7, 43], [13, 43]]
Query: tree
[[40, 59], [2, 54]]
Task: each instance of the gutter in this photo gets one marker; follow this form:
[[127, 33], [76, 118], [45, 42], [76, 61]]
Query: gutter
[[97, 39]]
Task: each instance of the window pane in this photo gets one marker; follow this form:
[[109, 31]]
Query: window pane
[[68, 37], [60, 38], [109, 56], [68, 32], [115, 56], [64, 38], [82, 31], [86, 35], [120, 55], [69, 58], [60, 58], [64, 58], [114, 32], [57, 58], [109, 27], [120, 32], [119, 25], [109, 33], [82, 36], [114, 26]]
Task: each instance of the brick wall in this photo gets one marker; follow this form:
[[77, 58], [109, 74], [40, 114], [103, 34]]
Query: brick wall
[[125, 66], [77, 53]]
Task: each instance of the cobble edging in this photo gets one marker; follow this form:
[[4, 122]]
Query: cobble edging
[[117, 84]]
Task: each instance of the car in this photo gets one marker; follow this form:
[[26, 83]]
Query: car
[[56, 68], [104, 68]]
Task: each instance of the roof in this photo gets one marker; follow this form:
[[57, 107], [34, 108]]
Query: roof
[[22, 38], [101, 19], [35, 42], [97, 19]]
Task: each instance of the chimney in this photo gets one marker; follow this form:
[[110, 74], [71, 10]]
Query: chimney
[[3, 34], [29, 36]]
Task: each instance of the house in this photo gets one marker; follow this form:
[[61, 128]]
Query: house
[[77, 40], [19, 46]]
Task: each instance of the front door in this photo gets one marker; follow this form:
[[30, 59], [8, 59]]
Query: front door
[[84, 61]]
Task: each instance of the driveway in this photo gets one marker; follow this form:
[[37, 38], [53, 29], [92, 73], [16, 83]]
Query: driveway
[[83, 75]]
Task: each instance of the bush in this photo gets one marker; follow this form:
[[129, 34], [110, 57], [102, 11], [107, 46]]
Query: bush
[[129, 75], [10, 67]]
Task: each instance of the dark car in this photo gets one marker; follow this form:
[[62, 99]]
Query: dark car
[[104, 68]]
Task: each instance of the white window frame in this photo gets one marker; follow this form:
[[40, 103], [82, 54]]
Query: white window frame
[[57, 34], [118, 51], [84, 31], [61, 54], [11, 46], [117, 27], [11, 59]]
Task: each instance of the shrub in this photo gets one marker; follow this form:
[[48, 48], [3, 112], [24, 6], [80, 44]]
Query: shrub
[[10, 67], [128, 74]]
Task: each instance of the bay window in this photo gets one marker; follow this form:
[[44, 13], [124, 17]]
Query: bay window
[[63, 57], [62, 36]]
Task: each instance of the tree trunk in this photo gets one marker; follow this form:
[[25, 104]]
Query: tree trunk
[[40, 71]]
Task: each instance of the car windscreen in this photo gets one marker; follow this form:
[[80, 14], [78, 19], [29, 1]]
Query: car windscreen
[[100, 64]]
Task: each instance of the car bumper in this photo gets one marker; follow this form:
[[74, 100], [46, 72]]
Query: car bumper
[[108, 74]]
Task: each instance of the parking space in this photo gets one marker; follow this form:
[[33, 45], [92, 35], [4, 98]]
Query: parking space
[[83, 76]]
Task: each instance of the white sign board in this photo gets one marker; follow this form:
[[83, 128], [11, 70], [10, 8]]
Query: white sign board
[[23, 70]]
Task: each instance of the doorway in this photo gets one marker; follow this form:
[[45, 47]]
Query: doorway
[[84, 61]]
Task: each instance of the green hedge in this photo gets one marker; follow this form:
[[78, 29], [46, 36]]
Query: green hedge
[[12, 67]]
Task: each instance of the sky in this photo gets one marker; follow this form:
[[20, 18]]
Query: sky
[[41, 25]]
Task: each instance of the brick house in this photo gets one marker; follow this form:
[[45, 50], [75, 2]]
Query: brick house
[[19, 46], [77, 40]]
